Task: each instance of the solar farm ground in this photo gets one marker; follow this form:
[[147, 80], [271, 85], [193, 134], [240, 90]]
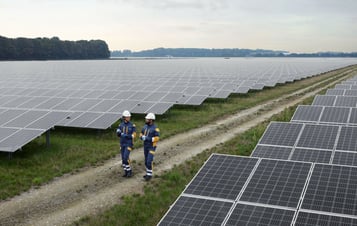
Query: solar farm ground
[[93, 189]]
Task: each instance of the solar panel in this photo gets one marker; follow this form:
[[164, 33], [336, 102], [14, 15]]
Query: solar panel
[[324, 100], [307, 113], [94, 94], [6, 99], [50, 103], [274, 152], [33, 102], [345, 158], [342, 86], [347, 140], [258, 86], [205, 91], [124, 95], [335, 92], [16, 102], [6, 132], [19, 139], [335, 115], [318, 136], [172, 97], [279, 133], [142, 107], [196, 211], [69, 118], [48, 121], [311, 155], [108, 94], [313, 219], [104, 121], [346, 101], [332, 188], [9, 115], [104, 105], [25, 119], [83, 119], [242, 89], [277, 183], [160, 108], [221, 177], [140, 95], [155, 96], [195, 100], [124, 105], [85, 105], [244, 214], [221, 94], [352, 92], [67, 104]]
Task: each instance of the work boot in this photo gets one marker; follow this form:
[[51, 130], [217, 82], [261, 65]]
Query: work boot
[[129, 174], [147, 177], [125, 174]]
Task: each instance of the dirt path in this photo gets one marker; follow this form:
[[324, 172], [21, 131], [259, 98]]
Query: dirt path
[[71, 197]]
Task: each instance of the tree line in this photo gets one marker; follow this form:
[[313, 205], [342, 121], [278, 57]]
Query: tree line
[[199, 52], [51, 49]]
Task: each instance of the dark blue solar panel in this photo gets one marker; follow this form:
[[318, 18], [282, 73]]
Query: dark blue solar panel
[[277, 183], [279, 133], [255, 215], [318, 136], [274, 152], [347, 139], [313, 219], [311, 155], [222, 177], [332, 188], [195, 211]]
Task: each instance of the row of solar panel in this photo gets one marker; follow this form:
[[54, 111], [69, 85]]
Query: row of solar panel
[[37, 97], [301, 191], [232, 190], [333, 100], [93, 94], [323, 114]]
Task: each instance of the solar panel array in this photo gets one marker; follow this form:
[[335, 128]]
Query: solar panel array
[[233, 190], [92, 94], [302, 172]]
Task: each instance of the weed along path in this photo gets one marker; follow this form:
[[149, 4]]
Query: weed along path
[[71, 197]]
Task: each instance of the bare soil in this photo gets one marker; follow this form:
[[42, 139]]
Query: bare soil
[[91, 190]]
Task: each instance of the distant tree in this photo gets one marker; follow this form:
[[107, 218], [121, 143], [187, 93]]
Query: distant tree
[[235, 52], [51, 49]]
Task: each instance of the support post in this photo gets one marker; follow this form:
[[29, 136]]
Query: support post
[[48, 138]]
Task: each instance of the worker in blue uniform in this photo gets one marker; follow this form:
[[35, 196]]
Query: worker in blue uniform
[[150, 135], [127, 132]]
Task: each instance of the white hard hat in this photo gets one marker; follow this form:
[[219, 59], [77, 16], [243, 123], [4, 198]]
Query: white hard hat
[[126, 113], [150, 116]]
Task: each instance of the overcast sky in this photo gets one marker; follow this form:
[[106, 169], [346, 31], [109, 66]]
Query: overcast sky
[[292, 25]]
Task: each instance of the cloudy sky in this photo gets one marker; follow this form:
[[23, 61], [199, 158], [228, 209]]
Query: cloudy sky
[[292, 25]]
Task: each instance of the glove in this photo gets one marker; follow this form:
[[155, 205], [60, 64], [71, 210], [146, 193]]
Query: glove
[[143, 138], [124, 135], [118, 131]]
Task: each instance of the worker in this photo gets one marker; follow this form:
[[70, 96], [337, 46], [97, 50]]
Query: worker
[[150, 135], [127, 132]]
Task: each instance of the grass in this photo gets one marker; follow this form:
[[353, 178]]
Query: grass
[[74, 149]]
